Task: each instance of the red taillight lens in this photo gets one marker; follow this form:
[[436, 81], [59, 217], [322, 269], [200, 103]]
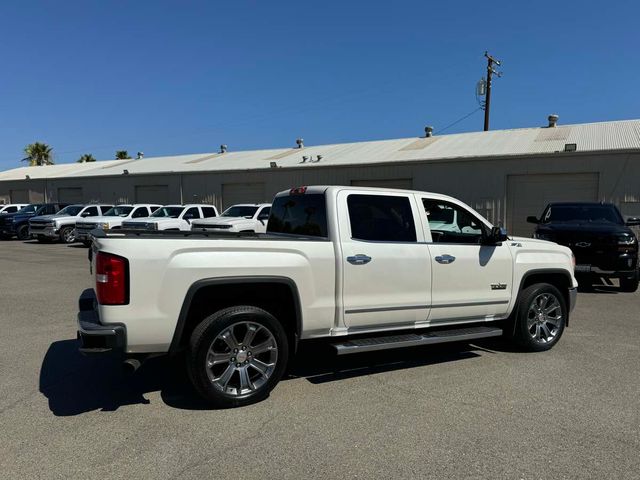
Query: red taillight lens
[[298, 191], [112, 274]]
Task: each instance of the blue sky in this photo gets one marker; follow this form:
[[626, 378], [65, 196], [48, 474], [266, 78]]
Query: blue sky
[[172, 77]]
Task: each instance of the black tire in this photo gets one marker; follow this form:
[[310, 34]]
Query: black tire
[[535, 330], [66, 235], [23, 232], [629, 284], [210, 334]]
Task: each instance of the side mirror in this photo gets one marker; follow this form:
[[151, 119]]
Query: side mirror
[[633, 221], [496, 236], [532, 219]]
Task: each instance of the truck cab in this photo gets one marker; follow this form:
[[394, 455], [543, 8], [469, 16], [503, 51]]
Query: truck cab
[[112, 219], [171, 218], [237, 218]]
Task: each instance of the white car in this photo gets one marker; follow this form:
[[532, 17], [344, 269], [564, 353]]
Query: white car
[[112, 219], [243, 217], [358, 267], [172, 217], [11, 207]]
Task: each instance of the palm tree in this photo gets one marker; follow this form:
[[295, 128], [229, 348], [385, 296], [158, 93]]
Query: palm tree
[[38, 154], [87, 157], [122, 155]]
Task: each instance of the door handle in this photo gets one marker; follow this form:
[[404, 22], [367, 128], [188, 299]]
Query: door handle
[[359, 259], [445, 259]]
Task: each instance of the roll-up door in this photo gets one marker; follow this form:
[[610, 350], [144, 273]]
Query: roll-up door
[[401, 183], [70, 195], [529, 194], [19, 196], [152, 194], [233, 193]]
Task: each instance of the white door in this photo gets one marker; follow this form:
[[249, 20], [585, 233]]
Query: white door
[[470, 281], [385, 261], [234, 193], [527, 195]]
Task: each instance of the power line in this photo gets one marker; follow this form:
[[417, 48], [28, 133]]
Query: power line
[[459, 120]]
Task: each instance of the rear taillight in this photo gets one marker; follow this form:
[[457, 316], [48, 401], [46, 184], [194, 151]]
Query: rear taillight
[[112, 274]]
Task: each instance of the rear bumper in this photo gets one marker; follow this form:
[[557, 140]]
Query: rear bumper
[[573, 297], [94, 337]]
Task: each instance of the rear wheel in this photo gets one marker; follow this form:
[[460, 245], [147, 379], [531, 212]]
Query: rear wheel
[[541, 317], [67, 235], [23, 232], [237, 356], [629, 284]]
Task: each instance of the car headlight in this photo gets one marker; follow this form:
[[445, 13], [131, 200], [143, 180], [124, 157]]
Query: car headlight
[[626, 239], [104, 226]]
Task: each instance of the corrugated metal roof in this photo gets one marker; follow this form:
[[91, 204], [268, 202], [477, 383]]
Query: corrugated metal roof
[[591, 137]]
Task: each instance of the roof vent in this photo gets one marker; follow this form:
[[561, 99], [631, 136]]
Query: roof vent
[[553, 120], [300, 142], [428, 131], [139, 155], [223, 149]]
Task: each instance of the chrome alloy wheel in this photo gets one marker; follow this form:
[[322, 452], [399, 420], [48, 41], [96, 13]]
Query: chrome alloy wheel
[[68, 236], [544, 318], [241, 358]]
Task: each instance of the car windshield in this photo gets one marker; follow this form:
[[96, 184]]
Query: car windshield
[[239, 211], [586, 213], [33, 208], [119, 211], [169, 212], [71, 210]]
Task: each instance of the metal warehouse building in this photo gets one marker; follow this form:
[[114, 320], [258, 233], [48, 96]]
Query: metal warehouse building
[[504, 174]]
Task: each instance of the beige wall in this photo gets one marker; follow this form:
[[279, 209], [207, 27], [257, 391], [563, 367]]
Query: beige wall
[[480, 183]]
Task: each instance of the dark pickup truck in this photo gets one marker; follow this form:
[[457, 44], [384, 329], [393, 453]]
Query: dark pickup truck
[[17, 224], [598, 236]]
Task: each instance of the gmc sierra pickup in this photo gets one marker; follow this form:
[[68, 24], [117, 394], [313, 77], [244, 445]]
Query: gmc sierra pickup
[[365, 268]]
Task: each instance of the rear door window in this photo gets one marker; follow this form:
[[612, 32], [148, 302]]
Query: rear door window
[[208, 212], [303, 214], [381, 218]]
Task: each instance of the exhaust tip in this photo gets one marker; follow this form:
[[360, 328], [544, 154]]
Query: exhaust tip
[[130, 365]]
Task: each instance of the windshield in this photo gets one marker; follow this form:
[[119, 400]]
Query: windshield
[[33, 208], [118, 211], [586, 213], [238, 211], [170, 212], [71, 210]]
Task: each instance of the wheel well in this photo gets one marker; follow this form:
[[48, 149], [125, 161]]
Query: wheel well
[[559, 280], [275, 297]]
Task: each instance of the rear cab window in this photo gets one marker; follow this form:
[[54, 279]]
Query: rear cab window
[[299, 214]]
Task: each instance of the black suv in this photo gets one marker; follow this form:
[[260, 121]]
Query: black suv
[[598, 236], [18, 223]]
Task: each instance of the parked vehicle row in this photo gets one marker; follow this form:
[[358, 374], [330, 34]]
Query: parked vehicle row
[[17, 224], [112, 219]]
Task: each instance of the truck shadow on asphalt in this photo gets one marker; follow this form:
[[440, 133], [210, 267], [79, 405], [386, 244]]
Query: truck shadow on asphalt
[[74, 384]]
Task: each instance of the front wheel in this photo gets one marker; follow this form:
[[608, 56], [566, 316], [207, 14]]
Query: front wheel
[[629, 284], [237, 356], [67, 235], [23, 233], [541, 317]]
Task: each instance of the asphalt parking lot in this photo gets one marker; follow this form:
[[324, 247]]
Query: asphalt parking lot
[[463, 411]]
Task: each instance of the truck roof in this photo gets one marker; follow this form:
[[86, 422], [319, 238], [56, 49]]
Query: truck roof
[[334, 188]]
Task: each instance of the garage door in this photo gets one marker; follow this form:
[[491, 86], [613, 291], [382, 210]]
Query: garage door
[[233, 193], [70, 195], [529, 194], [152, 194], [19, 196], [401, 183]]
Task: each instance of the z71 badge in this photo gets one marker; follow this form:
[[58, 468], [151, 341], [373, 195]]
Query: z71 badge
[[498, 286]]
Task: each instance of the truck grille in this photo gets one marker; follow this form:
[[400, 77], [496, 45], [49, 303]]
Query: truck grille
[[138, 226], [86, 227], [203, 226]]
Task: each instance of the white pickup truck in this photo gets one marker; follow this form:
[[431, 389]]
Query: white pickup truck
[[360, 267], [171, 217], [112, 219], [237, 218], [62, 225]]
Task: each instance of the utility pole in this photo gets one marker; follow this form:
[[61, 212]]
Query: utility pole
[[490, 71]]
